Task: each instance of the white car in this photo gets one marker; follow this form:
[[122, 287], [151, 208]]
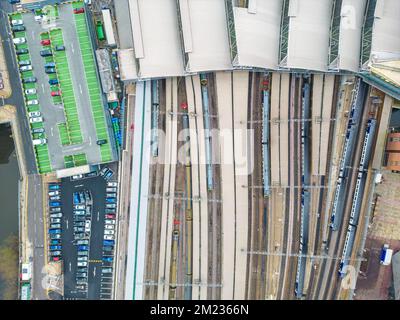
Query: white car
[[36, 120], [109, 227], [77, 177], [109, 221], [82, 258], [34, 114], [108, 237], [87, 226], [54, 193], [30, 91], [112, 184], [19, 40], [37, 142], [109, 232], [25, 68], [32, 102], [17, 22], [82, 264], [79, 207]]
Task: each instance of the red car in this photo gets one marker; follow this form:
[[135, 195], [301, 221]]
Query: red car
[[55, 93], [184, 105], [55, 258], [45, 42], [80, 10], [110, 216]]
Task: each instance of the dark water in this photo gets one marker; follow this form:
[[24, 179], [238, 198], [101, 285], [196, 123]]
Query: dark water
[[9, 176]]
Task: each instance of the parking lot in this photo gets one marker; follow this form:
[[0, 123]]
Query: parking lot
[[82, 230], [64, 97]]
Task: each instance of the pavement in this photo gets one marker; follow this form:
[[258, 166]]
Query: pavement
[[97, 188], [16, 98]]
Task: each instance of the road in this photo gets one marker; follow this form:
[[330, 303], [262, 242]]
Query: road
[[16, 98], [36, 227]]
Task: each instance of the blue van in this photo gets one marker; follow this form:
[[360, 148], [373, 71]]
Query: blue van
[[55, 247], [54, 231], [111, 200], [76, 198], [108, 259], [53, 81], [55, 241], [83, 248], [108, 242], [54, 187]]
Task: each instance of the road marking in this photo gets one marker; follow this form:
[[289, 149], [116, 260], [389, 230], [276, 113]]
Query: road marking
[[80, 88], [70, 266], [43, 87], [33, 35], [98, 216], [67, 223], [72, 48], [79, 185], [52, 131], [94, 272]]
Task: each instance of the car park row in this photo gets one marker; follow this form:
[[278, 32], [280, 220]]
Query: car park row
[[55, 218]]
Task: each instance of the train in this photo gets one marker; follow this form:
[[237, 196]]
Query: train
[[155, 112], [357, 198], [265, 141]]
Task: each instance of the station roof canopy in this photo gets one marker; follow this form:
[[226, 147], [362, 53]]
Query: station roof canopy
[[205, 35], [257, 34], [308, 41], [127, 65], [386, 29], [351, 24], [156, 38]]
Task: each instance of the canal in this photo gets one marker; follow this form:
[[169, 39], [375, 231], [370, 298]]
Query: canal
[[9, 178]]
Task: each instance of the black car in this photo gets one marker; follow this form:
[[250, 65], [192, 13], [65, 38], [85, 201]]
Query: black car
[[38, 130], [29, 80], [60, 48], [46, 53], [102, 141], [22, 51], [18, 28], [50, 70]]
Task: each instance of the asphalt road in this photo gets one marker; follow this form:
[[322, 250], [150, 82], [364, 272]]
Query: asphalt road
[[17, 98], [97, 188]]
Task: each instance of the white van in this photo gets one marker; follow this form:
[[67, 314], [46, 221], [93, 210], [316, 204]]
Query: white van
[[37, 142]]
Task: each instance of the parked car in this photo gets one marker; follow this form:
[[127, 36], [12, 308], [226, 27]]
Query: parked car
[[83, 248], [54, 186], [54, 193], [60, 48], [55, 242], [103, 171], [55, 225], [38, 142], [108, 242], [49, 64], [45, 42], [106, 270], [79, 207], [48, 71], [22, 51], [110, 211], [38, 130], [55, 220], [108, 175], [53, 82], [79, 218], [17, 22], [29, 80], [17, 28], [19, 40], [30, 91], [54, 231], [111, 205], [32, 102], [57, 209], [108, 248], [108, 237], [56, 215], [108, 259], [25, 68], [111, 195], [101, 142], [35, 120], [55, 236], [82, 258], [55, 247], [111, 200], [79, 229], [78, 236], [87, 226], [55, 93], [54, 203], [110, 216], [34, 114], [82, 242], [83, 253], [111, 189], [81, 275], [77, 177], [79, 10], [112, 184], [55, 253], [109, 232], [24, 63], [55, 198], [79, 223], [109, 221], [46, 53], [55, 259], [109, 227], [82, 263]]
